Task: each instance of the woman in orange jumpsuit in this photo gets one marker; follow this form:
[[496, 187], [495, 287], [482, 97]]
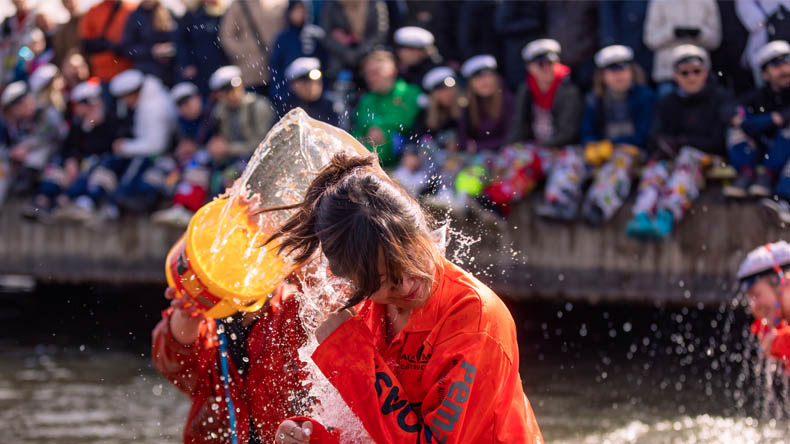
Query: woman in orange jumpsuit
[[423, 352]]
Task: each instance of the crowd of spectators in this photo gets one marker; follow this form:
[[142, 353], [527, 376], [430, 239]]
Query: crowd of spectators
[[471, 105]]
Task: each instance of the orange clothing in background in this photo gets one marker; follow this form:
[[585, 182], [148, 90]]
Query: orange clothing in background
[[450, 376], [94, 25]]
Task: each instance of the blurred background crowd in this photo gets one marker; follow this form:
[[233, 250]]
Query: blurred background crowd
[[472, 105]]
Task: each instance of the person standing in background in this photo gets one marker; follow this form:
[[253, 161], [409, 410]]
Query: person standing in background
[[148, 40], [353, 29], [67, 38], [574, 25], [621, 22], [199, 52], [299, 39], [14, 32], [766, 20], [101, 31], [670, 23], [247, 33], [518, 23]]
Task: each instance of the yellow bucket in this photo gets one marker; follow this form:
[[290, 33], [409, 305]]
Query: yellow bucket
[[219, 263]]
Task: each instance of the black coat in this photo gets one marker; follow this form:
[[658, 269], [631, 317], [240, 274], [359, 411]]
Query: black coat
[[566, 112], [699, 120]]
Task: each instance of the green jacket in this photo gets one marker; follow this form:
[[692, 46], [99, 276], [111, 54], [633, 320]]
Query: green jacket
[[393, 113]]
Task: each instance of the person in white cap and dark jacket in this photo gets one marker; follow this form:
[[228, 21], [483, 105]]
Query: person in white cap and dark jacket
[[688, 132], [416, 53], [243, 118], [35, 134], [306, 86], [195, 128], [547, 116], [764, 278], [133, 176], [92, 130], [765, 136]]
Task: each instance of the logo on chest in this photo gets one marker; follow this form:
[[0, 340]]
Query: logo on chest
[[417, 359]]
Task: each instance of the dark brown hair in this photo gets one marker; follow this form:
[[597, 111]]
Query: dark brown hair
[[358, 216]]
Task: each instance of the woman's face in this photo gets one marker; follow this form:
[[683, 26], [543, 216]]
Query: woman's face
[[485, 84], [445, 97], [618, 78], [411, 293]]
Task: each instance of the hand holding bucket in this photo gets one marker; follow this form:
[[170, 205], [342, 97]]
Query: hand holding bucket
[[220, 263]]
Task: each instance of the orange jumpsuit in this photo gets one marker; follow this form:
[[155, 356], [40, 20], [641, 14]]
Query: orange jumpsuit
[[780, 346], [450, 376], [94, 25]]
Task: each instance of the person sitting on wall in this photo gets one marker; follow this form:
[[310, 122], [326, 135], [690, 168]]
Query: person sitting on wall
[[306, 86]]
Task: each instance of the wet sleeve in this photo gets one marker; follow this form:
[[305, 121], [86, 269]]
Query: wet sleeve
[[467, 372], [185, 366]]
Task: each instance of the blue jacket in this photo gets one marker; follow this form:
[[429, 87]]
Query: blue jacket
[[138, 39], [287, 48], [198, 45], [641, 102]]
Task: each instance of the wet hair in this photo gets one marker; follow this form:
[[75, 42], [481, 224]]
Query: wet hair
[[359, 217]]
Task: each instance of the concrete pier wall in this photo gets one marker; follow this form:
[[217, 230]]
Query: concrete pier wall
[[525, 258]]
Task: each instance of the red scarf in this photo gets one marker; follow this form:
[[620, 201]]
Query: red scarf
[[546, 99]]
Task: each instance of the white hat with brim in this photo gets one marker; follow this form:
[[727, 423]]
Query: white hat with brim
[[225, 77], [42, 77], [413, 37], [441, 76], [542, 48], [475, 65], [126, 82], [86, 92], [689, 54], [613, 55], [183, 90], [13, 93], [303, 67], [764, 259], [772, 50]]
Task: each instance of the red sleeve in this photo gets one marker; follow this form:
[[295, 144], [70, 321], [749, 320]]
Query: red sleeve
[[467, 371], [186, 366], [780, 347]]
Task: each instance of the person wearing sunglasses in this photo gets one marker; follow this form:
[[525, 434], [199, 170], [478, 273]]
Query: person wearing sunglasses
[[763, 277], [689, 128], [764, 139]]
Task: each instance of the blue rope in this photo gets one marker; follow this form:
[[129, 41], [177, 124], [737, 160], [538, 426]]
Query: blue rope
[[223, 359]]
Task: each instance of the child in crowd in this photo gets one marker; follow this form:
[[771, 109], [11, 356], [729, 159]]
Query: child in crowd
[[764, 138], [33, 136], [614, 131], [416, 53], [547, 117], [387, 112], [306, 86], [689, 128], [195, 128], [93, 128]]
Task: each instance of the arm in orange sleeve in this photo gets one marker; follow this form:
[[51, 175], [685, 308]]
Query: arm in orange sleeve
[[185, 366], [780, 346], [467, 371]]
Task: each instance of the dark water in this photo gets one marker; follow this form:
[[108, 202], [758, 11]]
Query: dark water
[[75, 368]]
